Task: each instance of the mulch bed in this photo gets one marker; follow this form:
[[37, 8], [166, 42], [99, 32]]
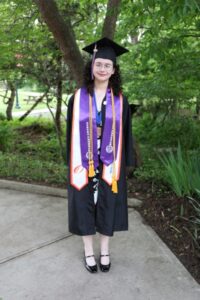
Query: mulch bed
[[165, 213]]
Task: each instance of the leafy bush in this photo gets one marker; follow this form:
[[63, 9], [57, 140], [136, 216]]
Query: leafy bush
[[48, 149], [6, 136], [2, 117], [30, 152], [32, 170], [142, 127], [151, 168], [167, 133], [183, 171], [37, 140], [44, 148]]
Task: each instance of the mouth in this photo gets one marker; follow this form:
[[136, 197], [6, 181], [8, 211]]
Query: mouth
[[101, 75]]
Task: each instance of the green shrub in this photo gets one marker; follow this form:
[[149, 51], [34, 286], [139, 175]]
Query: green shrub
[[36, 139], [32, 170], [6, 136], [48, 149], [30, 152], [167, 133], [2, 117], [183, 171], [151, 168], [142, 127]]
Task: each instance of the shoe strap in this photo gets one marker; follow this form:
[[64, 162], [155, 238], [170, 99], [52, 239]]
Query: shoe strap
[[89, 256], [104, 255]]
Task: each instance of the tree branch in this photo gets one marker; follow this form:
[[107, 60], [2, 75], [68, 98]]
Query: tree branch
[[109, 25], [64, 36], [33, 106]]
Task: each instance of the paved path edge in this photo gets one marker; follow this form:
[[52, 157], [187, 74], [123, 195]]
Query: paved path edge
[[49, 191], [33, 188]]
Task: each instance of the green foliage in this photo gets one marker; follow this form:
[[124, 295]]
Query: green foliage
[[28, 50], [2, 117], [36, 139], [6, 136], [168, 133], [30, 151], [194, 220], [142, 128], [29, 169], [183, 171], [151, 168], [162, 65], [86, 16], [47, 149], [164, 61]]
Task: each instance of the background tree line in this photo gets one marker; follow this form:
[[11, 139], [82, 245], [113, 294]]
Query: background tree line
[[41, 42]]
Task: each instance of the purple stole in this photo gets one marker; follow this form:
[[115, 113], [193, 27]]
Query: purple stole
[[80, 141]]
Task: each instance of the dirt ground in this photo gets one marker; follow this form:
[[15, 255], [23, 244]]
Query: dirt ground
[[166, 213]]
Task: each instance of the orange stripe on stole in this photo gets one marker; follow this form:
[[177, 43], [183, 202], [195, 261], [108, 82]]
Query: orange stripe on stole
[[78, 168], [119, 154]]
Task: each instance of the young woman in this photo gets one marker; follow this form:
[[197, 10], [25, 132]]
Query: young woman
[[99, 147]]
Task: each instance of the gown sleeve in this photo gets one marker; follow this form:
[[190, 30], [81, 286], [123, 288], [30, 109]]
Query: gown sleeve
[[128, 137], [69, 127]]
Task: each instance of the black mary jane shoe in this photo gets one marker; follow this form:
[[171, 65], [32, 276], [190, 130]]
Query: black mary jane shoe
[[91, 269], [104, 268]]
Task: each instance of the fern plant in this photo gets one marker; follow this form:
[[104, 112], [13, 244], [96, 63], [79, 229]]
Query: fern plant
[[183, 171]]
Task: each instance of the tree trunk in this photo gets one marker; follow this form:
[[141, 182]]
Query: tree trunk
[[10, 101], [58, 133], [64, 35], [198, 107], [112, 12], [59, 105]]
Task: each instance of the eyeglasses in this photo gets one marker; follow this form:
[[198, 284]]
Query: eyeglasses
[[107, 67]]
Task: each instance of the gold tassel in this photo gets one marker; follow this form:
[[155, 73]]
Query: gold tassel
[[114, 181], [90, 146], [114, 185], [91, 169]]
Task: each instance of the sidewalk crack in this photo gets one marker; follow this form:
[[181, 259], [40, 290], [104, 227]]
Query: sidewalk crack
[[30, 250]]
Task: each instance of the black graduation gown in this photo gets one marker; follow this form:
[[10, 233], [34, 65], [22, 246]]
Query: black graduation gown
[[111, 211]]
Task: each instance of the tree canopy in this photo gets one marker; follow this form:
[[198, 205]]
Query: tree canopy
[[163, 38]]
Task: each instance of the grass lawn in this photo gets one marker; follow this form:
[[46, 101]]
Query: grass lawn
[[23, 94]]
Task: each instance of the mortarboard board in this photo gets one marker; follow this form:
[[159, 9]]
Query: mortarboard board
[[105, 48]]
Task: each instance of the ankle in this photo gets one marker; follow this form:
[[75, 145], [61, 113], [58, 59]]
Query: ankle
[[105, 252], [104, 259], [88, 251]]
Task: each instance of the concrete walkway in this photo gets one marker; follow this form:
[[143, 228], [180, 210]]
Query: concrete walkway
[[43, 112], [40, 259]]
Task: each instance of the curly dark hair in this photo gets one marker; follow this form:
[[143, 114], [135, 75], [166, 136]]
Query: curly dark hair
[[114, 81]]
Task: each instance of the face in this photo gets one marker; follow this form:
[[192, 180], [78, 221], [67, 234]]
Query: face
[[103, 69]]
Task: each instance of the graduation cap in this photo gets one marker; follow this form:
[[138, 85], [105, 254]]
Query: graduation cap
[[105, 48]]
